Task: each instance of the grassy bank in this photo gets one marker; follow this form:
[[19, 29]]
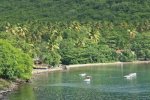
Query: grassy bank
[[4, 84]]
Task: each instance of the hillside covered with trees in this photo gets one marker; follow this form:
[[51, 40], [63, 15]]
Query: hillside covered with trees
[[69, 10], [72, 32]]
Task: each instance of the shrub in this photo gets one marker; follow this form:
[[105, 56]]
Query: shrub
[[13, 62], [127, 55], [52, 58]]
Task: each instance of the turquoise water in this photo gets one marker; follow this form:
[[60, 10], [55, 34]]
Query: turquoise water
[[107, 83]]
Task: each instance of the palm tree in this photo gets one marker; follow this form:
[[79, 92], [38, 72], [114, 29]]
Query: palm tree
[[18, 30], [94, 35], [132, 33], [55, 38]]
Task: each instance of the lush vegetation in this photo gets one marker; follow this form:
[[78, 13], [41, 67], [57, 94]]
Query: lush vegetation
[[76, 42], [14, 63], [72, 32], [81, 10]]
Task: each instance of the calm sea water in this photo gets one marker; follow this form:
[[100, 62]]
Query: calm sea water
[[107, 83]]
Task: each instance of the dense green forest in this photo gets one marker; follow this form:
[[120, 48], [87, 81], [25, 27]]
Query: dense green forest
[[71, 32], [68, 10]]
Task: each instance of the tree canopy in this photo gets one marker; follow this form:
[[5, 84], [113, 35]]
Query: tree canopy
[[68, 10], [71, 32], [14, 63]]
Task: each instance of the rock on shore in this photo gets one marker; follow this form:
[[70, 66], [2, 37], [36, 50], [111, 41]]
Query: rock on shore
[[7, 87]]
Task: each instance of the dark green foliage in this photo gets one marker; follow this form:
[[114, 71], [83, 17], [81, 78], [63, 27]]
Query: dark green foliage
[[67, 10], [74, 42], [77, 31], [127, 56], [91, 54], [141, 46], [13, 62], [51, 58]]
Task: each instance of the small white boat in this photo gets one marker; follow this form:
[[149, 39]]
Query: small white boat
[[83, 74], [130, 76], [87, 79]]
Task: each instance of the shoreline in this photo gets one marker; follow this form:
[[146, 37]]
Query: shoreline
[[38, 71], [5, 90], [111, 63], [14, 85]]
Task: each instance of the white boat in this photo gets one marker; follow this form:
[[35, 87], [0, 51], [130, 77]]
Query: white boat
[[87, 79], [130, 76], [83, 74]]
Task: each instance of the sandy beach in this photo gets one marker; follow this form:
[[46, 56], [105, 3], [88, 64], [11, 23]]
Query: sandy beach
[[37, 71]]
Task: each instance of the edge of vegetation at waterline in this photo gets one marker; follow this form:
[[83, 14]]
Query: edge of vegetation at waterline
[[7, 86], [99, 64], [38, 71]]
